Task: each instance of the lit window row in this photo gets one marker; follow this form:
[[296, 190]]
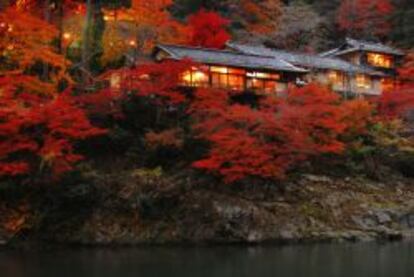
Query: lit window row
[[231, 78]]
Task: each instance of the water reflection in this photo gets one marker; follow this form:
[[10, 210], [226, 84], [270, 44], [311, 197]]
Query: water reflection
[[311, 261]]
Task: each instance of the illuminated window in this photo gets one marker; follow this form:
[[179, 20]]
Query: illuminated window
[[262, 81], [363, 81], [255, 84], [237, 71], [231, 78], [334, 77], [260, 85], [379, 60], [219, 69], [196, 77], [227, 78], [263, 75], [270, 87], [236, 82]]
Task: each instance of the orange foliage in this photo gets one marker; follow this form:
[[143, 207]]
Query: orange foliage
[[358, 115], [14, 219], [397, 103], [270, 139], [25, 40], [160, 81], [140, 27], [406, 74], [38, 132], [171, 138], [261, 16], [365, 16]]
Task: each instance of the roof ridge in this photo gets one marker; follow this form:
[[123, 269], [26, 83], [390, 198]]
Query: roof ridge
[[260, 59], [211, 50], [316, 56], [274, 49], [306, 57], [370, 42]]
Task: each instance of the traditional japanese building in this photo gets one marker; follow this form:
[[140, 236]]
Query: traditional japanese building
[[354, 68], [233, 70]]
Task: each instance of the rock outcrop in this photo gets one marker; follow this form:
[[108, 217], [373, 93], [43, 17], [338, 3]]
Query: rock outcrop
[[309, 208]]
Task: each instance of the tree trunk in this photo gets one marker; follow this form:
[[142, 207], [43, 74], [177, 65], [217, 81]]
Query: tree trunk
[[59, 22], [86, 42], [47, 18]]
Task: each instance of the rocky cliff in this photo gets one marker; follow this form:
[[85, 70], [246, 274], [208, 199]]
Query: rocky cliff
[[309, 208]]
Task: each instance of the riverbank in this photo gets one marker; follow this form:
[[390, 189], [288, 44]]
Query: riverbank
[[309, 208]]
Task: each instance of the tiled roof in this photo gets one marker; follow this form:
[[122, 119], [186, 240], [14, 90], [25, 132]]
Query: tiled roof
[[229, 58], [304, 60], [352, 45]]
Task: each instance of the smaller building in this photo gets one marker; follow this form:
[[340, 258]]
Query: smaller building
[[375, 56], [354, 68]]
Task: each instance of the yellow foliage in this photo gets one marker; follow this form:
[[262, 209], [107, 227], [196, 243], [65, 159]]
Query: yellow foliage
[[28, 39], [24, 41], [139, 28]]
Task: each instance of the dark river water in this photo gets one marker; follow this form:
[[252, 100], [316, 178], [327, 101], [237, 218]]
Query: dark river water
[[351, 260]]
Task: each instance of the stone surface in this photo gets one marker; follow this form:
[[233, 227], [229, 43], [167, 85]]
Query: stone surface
[[312, 208], [382, 217], [407, 221]]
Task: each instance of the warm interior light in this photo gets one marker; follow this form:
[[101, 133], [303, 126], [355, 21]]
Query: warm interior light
[[379, 60], [335, 78], [198, 76], [132, 43], [219, 69], [186, 77], [363, 81], [263, 75], [194, 78], [67, 36]]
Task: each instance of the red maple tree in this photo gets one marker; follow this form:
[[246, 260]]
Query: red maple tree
[[268, 140], [208, 29], [159, 81], [365, 16], [398, 102], [38, 132]]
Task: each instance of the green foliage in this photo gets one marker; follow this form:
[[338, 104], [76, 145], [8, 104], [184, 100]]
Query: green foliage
[[147, 174]]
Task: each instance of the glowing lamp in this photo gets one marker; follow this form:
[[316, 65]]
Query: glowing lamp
[[67, 36]]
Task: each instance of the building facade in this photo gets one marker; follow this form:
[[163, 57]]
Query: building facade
[[355, 68]]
